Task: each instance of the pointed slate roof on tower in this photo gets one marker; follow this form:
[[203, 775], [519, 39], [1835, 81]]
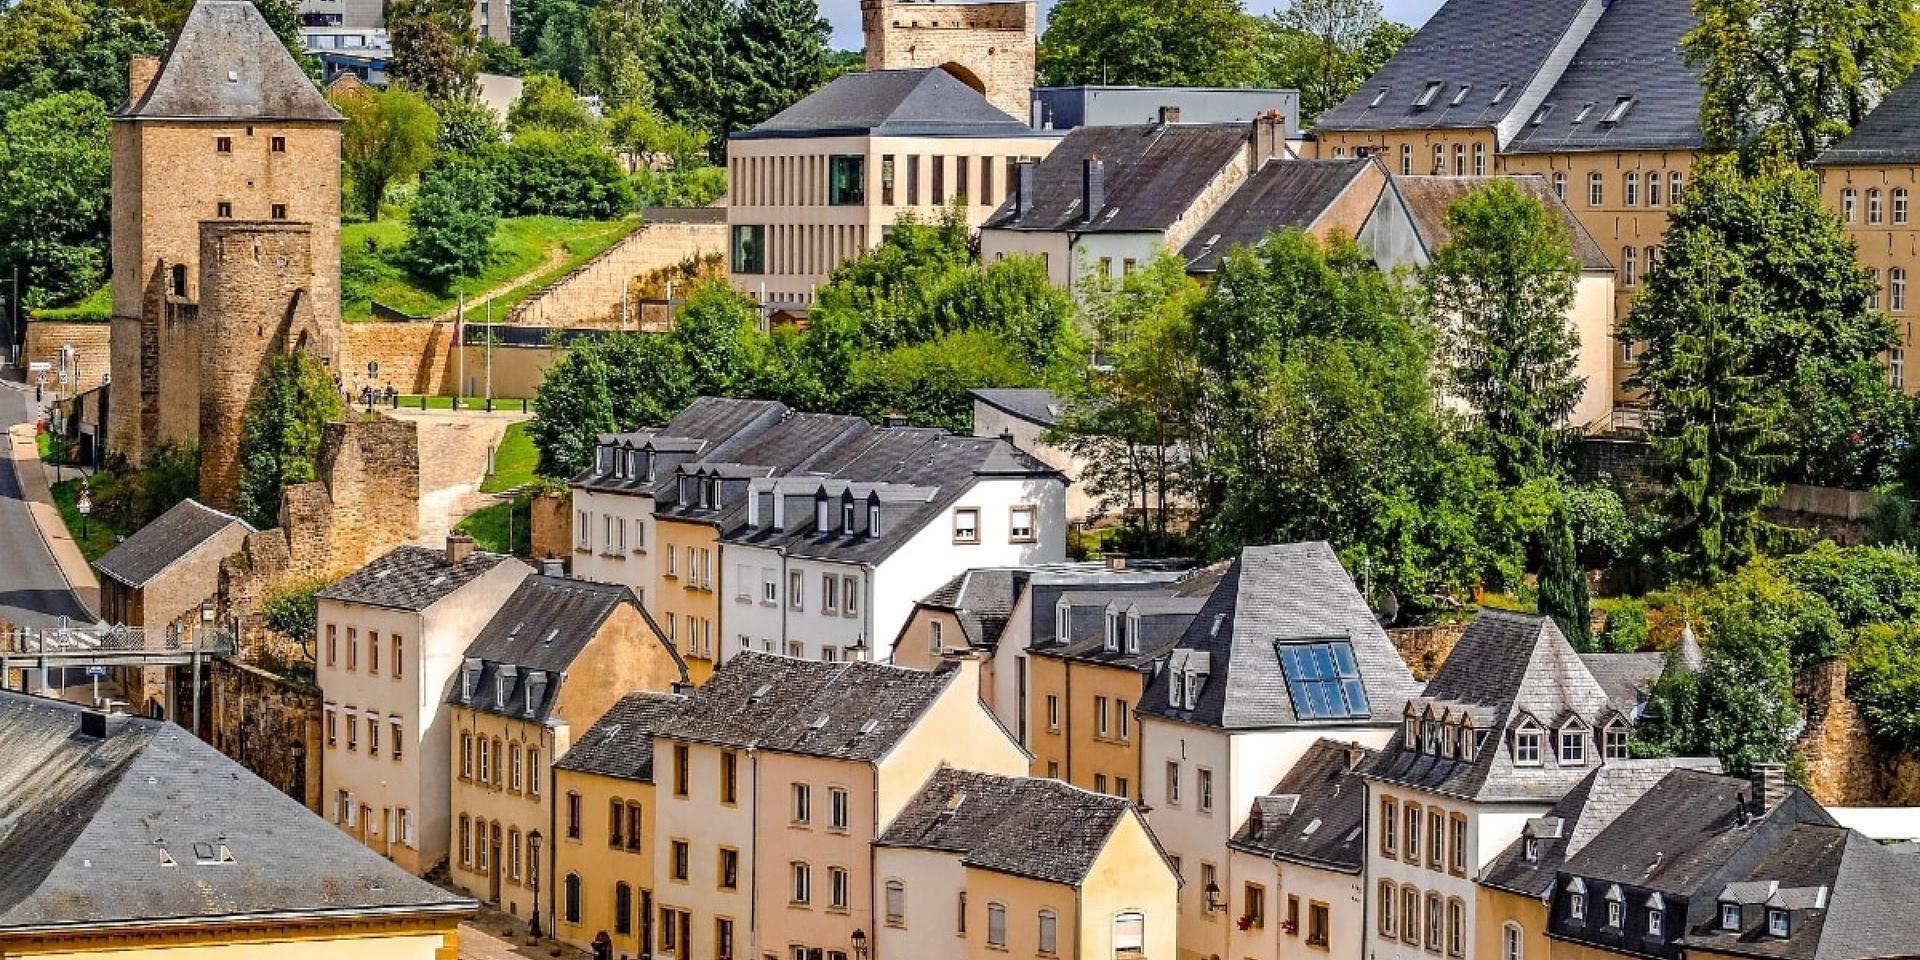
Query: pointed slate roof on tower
[[1687, 654], [227, 64]]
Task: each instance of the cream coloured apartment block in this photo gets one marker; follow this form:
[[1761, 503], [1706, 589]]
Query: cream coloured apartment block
[[827, 178]]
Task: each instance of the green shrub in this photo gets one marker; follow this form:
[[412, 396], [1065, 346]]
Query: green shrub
[[1884, 679], [292, 612], [545, 174], [451, 225], [172, 474], [1626, 630]]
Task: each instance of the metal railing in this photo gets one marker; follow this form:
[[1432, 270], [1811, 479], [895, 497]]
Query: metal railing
[[78, 641]]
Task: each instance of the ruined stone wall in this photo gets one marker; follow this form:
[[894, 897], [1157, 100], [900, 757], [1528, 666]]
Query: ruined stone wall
[[267, 724], [590, 295], [92, 343], [1425, 648], [414, 357], [1844, 767], [552, 525], [989, 46]]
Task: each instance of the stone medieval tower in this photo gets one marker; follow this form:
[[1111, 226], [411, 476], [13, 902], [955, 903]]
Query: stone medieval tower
[[988, 44], [226, 235]]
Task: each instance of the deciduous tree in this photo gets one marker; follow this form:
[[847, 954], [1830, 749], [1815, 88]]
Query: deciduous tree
[[1150, 43], [54, 173], [280, 437], [435, 51], [388, 138], [451, 224], [1327, 48]]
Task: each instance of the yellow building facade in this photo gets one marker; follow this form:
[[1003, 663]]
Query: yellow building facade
[[686, 595], [415, 938]]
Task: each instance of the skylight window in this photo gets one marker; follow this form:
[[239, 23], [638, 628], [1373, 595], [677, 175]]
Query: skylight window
[[1620, 108], [1500, 94], [1378, 97], [1428, 95], [1540, 116], [1585, 109], [1461, 97], [1323, 679]]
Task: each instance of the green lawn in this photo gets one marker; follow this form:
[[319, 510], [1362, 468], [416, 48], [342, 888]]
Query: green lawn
[[412, 401], [522, 248], [96, 306], [513, 463], [491, 526], [101, 536]]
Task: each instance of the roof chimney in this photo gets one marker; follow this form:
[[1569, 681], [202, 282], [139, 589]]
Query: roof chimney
[[1269, 136], [1169, 114], [1023, 189], [1116, 561], [99, 725], [142, 70], [1769, 786], [1093, 187], [459, 547], [553, 567], [894, 420]]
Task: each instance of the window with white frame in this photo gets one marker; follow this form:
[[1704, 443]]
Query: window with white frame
[[935, 643], [849, 596], [1573, 745], [966, 525], [1020, 524], [839, 809], [1130, 933], [583, 529], [1897, 368], [1874, 210], [1899, 204], [769, 587], [796, 589], [1596, 189], [1513, 942], [1630, 188], [1203, 787], [1406, 159], [1729, 916], [839, 888], [1675, 181], [1849, 204], [1653, 189], [1616, 737], [997, 925], [1897, 289], [829, 593], [1560, 185], [1526, 745], [801, 891], [1778, 922]]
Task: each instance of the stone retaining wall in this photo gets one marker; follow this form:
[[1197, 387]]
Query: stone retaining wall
[[591, 295], [93, 342], [414, 357]]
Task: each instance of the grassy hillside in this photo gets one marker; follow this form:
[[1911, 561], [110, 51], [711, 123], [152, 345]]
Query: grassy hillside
[[529, 252]]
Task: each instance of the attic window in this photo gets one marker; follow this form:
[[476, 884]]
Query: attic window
[[1461, 96], [1323, 679], [233, 76], [873, 520], [760, 693], [1500, 94], [1779, 922], [1378, 97], [1530, 849], [1062, 621], [1133, 631], [846, 515], [1729, 916], [867, 729], [820, 515], [819, 723], [1114, 629], [1585, 109], [1540, 115], [1427, 96], [1620, 108]]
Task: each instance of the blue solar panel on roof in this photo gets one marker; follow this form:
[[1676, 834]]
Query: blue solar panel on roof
[[1323, 679]]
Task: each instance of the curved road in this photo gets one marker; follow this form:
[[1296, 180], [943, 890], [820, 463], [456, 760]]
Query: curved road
[[32, 591]]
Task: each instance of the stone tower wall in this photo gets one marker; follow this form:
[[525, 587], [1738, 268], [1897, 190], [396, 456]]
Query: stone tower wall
[[991, 43], [254, 283], [168, 176]]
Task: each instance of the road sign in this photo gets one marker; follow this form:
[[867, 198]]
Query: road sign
[[96, 671], [85, 503]]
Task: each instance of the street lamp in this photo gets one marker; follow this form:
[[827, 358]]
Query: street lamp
[[859, 944], [1214, 903]]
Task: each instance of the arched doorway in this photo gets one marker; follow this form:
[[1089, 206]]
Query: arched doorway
[[966, 76]]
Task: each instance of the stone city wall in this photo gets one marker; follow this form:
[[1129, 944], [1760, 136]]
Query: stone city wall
[[590, 296], [413, 356], [1844, 766], [553, 525], [93, 343], [268, 725]]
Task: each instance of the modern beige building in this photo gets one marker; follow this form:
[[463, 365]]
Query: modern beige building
[[825, 179], [1591, 94], [391, 639], [604, 831], [1870, 179], [779, 774], [555, 657], [983, 866]]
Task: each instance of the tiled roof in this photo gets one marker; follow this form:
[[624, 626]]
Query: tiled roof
[[1486, 48], [702, 428], [1507, 670], [1163, 620], [1632, 53], [1030, 827], [1889, 134], [545, 624], [1152, 174], [1316, 815], [1590, 807], [227, 64], [620, 744], [923, 102], [150, 824], [981, 600], [849, 710], [1427, 200], [1287, 592], [1282, 193], [167, 540], [1034, 405], [411, 578], [1628, 678]]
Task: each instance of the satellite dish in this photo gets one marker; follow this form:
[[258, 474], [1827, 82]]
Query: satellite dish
[[1386, 606]]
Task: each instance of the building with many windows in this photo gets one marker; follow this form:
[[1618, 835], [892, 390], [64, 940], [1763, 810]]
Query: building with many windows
[[1871, 178], [825, 179], [779, 774], [1016, 866], [392, 636], [1297, 861], [555, 657]]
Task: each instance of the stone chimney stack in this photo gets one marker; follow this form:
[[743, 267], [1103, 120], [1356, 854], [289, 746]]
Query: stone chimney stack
[[1093, 187], [1769, 786], [142, 69], [1023, 189], [459, 548], [1269, 137]]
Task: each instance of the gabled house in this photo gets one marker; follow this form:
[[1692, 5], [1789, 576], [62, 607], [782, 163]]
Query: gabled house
[[1509, 724], [782, 772], [555, 657], [1297, 860], [1022, 867], [1284, 653], [1320, 197]]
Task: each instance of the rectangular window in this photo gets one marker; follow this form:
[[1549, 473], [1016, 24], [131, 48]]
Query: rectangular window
[[1412, 849], [729, 877], [1173, 783], [1436, 837], [829, 593], [223, 209], [399, 655], [849, 592], [1100, 716], [802, 809], [839, 809], [796, 588], [573, 816], [373, 653], [729, 777], [393, 727], [1204, 788], [846, 180], [1020, 525], [939, 179], [1053, 712], [886, 179], [680, 769], [913, 180], [279, 211], [966, 525], [680, 860], [1389, 826], [802, 892], [1458, 843], [223, 144], [996, 925], [333, 645], [353, 649], [279, 144], [1254, 907], [749, 256]]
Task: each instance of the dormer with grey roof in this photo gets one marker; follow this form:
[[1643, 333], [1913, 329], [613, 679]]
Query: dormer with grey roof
[[1628, 87], [1316, 816], [1285, 641]]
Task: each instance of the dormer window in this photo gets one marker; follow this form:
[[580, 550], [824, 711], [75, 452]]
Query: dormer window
[[1729, 916], [1656, 916], [1112, 641], [1133, 632], [873, 520], [846, 515], [651, 466], [469, 679], [500, 691], [606, 460], [820, 516], [1577, 900], [1619, 110], [1779, 922], [1526, 745], [1428, 95], [1530, 849], [1616, 908], [1499, 94], [1614, 739], [1429, 737], [1062, 621], [1573, 745], [1447, 742], [1461, 97], [1466, 743], [1412, 732]]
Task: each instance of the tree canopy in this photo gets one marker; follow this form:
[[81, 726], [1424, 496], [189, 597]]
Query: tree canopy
[[1150, 43], [388, 138], [1326, 49]]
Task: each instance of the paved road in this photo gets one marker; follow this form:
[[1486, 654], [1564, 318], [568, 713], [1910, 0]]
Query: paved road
[[32, 592]]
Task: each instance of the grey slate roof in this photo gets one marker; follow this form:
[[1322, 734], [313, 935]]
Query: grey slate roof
[[1029, 827], [1889, 134], [1633, 51], [164, 542], [545, 624], [770, 702], [1164, 618], [1427, 200], [1590, 807], [1479, 44], [922, 102], [620, 744], [1626, 677], [411, 578], [1152, 174], [1507, 669], [1281, 194], [227, 64], [1034, 405], [1316, 815], [701, 429], [981, 600], [1295, 591], [88, 827]]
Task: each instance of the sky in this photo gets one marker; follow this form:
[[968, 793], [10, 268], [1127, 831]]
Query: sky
[[845, 15]]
